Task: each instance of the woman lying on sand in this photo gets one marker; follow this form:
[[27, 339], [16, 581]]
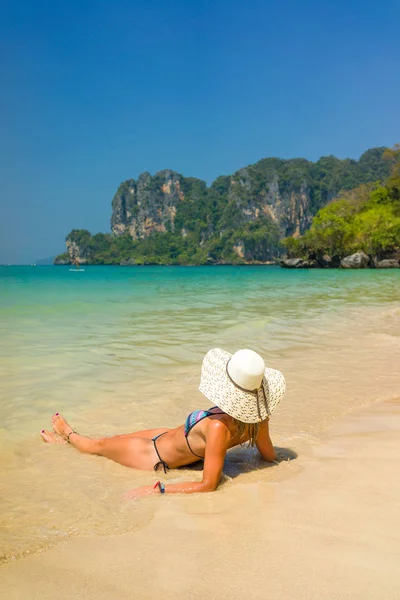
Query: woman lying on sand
[[245, 393]]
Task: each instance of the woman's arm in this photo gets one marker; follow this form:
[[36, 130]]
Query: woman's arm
[[217, 442], [264, 444], [216, 446]]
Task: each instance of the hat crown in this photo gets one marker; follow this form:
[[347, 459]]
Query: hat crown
[[246, 368], [230, 381]]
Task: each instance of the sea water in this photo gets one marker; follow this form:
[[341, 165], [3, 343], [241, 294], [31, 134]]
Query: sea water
[[119, 349]]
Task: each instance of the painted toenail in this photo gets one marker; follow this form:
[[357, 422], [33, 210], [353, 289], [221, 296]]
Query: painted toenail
[[42, 430], [57, 414]]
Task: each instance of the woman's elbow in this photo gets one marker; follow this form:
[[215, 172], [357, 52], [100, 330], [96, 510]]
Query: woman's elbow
[[209, 486]]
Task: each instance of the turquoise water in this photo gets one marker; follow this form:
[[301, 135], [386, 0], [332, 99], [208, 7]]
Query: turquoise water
[[119, 349], [158, 315], [67, 333]]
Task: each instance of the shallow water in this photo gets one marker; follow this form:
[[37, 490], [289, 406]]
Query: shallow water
[[119, 349]]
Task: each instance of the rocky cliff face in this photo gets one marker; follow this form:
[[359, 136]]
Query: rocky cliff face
[[240, 216], [147, 205], [290, 209], [286, 192], [76, 252], [151, 204]]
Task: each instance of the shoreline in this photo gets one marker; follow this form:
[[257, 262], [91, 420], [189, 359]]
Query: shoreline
[[242, 265], [326, 530]]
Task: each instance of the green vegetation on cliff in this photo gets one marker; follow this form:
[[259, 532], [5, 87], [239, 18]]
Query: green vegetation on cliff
[[170, 219], [170, 248], [366, 218]]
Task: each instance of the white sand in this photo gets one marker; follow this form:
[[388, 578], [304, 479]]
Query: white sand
[[331, 531]]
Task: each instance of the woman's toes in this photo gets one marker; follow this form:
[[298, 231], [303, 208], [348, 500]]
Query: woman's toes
[[45, 436], [51, 438], [55, 418], [60, 425]]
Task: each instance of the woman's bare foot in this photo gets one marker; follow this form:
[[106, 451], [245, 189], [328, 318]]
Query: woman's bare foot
[[52, 438], [61, 426]]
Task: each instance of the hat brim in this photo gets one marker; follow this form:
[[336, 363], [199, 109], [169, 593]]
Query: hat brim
[[248, 407]]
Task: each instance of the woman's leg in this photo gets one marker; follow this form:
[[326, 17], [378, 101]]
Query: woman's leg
[[129, 450]]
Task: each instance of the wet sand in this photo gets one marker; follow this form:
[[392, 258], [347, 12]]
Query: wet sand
[[120, 350], [329, 529], [50, 493]]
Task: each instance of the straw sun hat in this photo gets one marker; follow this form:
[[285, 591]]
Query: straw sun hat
[[241, 385]]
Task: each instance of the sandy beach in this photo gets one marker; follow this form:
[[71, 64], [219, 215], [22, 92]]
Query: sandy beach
[[120, 352], [199, 273], [328, 529]]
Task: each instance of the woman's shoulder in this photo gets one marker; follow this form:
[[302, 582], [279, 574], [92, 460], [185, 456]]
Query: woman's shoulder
[[220, 426]]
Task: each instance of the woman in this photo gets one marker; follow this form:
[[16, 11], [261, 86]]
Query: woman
[[245, 393]]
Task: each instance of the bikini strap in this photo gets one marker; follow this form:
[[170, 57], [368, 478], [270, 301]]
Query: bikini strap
[[160, 462], [190, 448], [163, 464]]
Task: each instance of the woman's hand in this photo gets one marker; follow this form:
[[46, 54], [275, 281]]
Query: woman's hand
[[264, 444], [140, 492]]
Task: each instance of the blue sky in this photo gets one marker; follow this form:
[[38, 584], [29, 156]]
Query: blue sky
[[95, 92]]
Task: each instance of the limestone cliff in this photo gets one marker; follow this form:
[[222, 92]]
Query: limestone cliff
[[239, 218], [286, 192], [288, 207], [76, 251], [147, 205], [151, 204]]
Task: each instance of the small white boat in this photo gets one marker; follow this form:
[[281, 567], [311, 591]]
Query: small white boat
[[77, 270]]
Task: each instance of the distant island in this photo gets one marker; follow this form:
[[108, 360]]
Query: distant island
[[312, 213]]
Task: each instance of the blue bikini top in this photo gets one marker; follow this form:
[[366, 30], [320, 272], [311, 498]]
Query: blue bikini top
[[195, 417]]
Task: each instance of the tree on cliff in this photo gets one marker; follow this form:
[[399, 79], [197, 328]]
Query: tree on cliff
[[393, 183], [367, 218]]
